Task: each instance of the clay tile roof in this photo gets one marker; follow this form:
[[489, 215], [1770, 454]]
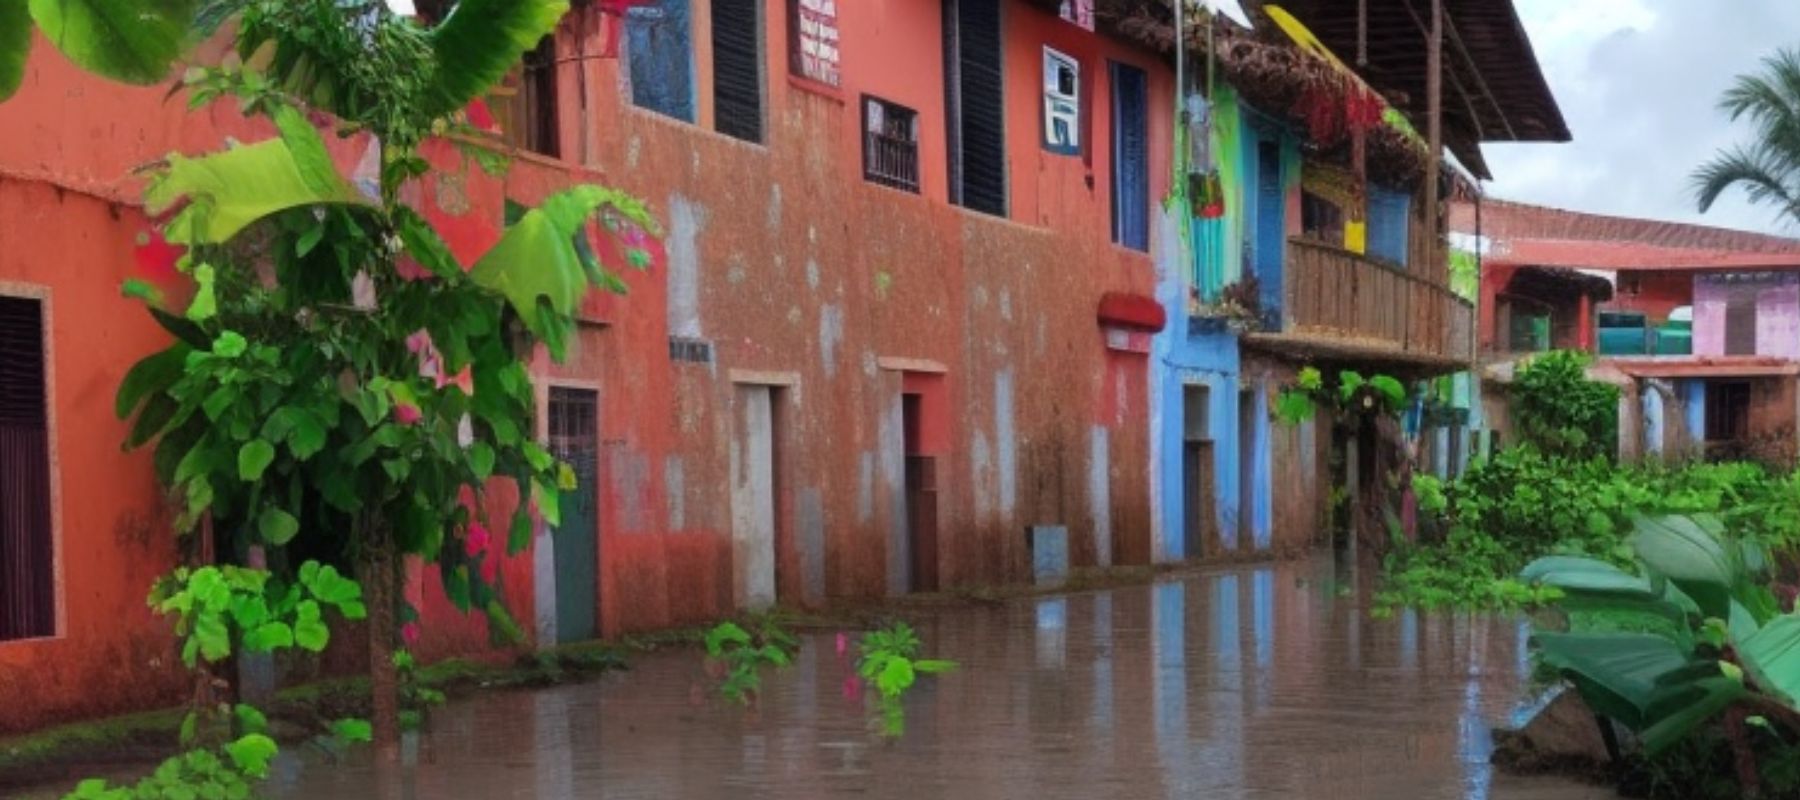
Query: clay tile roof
[[1553, 237]]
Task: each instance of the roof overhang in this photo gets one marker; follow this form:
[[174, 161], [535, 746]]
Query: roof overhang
[[1705, 367]]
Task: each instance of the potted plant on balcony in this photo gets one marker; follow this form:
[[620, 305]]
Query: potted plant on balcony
[[1238, 308]]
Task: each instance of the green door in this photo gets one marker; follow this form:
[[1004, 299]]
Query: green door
[[574, 422]]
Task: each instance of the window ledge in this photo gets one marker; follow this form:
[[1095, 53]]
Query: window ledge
[[810, 86]]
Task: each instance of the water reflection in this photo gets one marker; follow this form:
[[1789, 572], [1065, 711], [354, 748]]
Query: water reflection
[[1264, 682]]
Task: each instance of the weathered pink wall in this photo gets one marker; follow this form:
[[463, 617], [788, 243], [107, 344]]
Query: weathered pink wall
[[1777, 315]]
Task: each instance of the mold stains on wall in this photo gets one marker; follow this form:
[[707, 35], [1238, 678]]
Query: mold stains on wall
[[809, 522], [865, 487], [686, 220]]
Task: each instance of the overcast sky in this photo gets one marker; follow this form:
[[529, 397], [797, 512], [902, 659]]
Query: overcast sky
[[1638, 82]]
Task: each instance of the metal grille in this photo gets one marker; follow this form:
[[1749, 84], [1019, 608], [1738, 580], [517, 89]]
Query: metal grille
[[574, 415], [890, 144], [737, 69], [692, 351], [27, 602]]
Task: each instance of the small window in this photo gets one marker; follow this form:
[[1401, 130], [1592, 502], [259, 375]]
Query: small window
[[1062, 103], [1131, 157], [737, 69], [660, 55], [890, 144], [813, 40], [524, 105], [1321, 220], [27, 558]]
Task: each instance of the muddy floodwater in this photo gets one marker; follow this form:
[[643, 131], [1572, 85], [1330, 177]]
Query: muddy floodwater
[[1254, 682]]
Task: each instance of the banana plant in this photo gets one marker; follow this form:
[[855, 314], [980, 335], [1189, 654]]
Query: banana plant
[[134, 41], [1664, 650]]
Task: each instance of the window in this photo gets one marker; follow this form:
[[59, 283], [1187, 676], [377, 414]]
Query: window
[[1389, 225], [1131, 157], [974, 99], [525, 103], [27, 565], [813, 40], [890, 144], [1062, 103], [1321, 220], [660, 55], [737, 69]]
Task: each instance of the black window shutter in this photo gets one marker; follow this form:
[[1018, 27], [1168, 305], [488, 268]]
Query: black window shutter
[[27, 599], [737, 69], [982, 106], [1131, 169]]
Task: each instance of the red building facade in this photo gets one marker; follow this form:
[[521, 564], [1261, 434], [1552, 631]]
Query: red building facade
[[871, 351]]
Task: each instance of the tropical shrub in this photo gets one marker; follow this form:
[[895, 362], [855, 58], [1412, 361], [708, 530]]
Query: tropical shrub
[[1691, 634], [1557, 408]]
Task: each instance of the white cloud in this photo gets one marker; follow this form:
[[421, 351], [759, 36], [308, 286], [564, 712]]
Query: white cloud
[[1638, 81]]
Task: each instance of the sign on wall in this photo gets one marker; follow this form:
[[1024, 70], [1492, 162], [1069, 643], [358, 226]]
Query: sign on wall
[[817, 57], [1080, 12]]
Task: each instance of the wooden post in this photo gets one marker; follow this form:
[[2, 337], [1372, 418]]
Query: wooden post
[[1434, 91]]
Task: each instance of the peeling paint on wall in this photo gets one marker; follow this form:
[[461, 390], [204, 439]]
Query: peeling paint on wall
[[774, 208], [865, 487], [812, 273], [831, 333], [1099, 486], [810, 511], [981, 463], [686, 219], [630, 481], [675, 490], [892, 436], [1006, 442]]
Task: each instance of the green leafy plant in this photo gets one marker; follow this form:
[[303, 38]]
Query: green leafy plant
[[126, 40], [742, 656], [1694, 633], [889, 660], [1302, 400], [1557, 408]]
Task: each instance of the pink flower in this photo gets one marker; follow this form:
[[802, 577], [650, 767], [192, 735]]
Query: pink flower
[[843, 644], [852, 688], [464, 380], [481, 117], [406, 413], [156, 258], [410, 633], [477, 542], [419, 342]]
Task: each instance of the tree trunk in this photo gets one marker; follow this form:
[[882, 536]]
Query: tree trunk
[[379, 589]]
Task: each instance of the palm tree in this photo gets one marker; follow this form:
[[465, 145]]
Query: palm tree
[[1769, 168]]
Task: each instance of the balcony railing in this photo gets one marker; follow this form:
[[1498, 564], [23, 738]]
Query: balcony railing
[[1350, 304]]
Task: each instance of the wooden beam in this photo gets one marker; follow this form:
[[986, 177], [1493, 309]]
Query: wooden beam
[[1434, 100]]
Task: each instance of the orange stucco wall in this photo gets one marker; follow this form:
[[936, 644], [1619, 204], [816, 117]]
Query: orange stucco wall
[[777, 254]]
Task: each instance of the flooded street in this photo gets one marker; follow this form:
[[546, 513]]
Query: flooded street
[[1256, 682]]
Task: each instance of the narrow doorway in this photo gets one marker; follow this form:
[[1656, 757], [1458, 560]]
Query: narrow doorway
[[755, 482], [921, 499], [1246, 528], [573, 433], [1727, 417], [1196, 470]]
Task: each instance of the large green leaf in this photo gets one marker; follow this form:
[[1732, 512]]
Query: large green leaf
[[15, 44], [225, 192], [1576, 574], [154, 374], [1693, 559], [1772, 657], [537, 259], [1683, 709], [128, 40], [480, 42], [1616, 673]]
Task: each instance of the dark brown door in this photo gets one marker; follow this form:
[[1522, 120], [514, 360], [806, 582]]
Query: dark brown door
[[921, 501]]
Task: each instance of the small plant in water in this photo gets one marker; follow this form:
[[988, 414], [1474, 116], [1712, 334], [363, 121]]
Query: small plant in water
[[742, 655], [890, 660]]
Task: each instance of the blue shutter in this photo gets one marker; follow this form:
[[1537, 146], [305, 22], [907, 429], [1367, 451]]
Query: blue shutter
[[1271, 228], [1131, 163], [1388, 225], [659, 45]]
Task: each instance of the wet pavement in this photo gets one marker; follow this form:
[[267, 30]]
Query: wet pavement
[[1255, 682]]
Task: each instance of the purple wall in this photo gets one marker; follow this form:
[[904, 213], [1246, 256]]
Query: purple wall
[[1777, 311]]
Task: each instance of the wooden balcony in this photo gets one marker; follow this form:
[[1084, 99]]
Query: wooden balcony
[[1340, 305]]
